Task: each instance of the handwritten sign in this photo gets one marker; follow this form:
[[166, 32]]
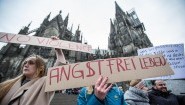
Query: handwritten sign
[[173, 53], [47, 42], [116, 69]]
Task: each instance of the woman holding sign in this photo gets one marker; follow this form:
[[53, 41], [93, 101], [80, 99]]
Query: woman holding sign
[[29, 87]]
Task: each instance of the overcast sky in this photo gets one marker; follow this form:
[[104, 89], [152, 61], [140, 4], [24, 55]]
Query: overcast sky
[[164, 20]]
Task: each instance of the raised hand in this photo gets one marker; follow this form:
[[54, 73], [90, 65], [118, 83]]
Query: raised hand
[[141, 86], [101, 88], [59, 54]]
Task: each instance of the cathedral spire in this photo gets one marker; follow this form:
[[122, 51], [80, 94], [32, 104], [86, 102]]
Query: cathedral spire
[[71, 28], [112, 29], [29, 24], [78, 27], [118, 9], [77, 34], [25, 29], [60, 11], [60, 19], [46, 19], [66, 20], [48, 16]]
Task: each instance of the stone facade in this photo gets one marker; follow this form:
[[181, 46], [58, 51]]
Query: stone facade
[[127, 33]]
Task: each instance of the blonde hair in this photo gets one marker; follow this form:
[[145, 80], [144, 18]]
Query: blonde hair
[[6, 86], [40, 72]]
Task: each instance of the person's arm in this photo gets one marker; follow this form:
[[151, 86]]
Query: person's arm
[[60, 57], [59, 53]]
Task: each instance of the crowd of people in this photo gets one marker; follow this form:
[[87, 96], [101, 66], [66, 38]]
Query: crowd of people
[[28, 88], [137, 94]]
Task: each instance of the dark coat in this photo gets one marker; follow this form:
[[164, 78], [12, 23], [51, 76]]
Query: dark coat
[[160, 98], [181, 99]]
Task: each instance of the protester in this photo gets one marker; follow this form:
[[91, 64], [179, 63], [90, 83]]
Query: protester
[[29, 87], [137, 93], [181, 99], [159, 95], [101, 94]]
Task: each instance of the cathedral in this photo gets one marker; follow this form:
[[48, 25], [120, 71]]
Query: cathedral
[[126, 36], [127, 33]]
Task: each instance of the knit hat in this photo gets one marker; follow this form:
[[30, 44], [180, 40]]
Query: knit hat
[[134, 82]]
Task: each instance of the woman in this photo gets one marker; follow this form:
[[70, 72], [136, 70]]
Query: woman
[[137, 93], [28, 88]]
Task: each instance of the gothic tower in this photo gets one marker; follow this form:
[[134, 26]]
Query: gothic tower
[[127, 33]]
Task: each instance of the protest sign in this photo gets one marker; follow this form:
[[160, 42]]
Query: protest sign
[[173, 53], [116, 69], [47, 42]]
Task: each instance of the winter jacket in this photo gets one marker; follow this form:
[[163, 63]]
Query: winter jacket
[[31, 93], [114, 97], [162, 98], [135, 96]]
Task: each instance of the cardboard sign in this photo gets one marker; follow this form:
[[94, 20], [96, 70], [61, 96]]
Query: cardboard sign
[[116, 69], [47, 42], [174, 53]]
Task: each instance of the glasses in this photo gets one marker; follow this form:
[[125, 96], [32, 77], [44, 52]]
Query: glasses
[[30, 62]]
